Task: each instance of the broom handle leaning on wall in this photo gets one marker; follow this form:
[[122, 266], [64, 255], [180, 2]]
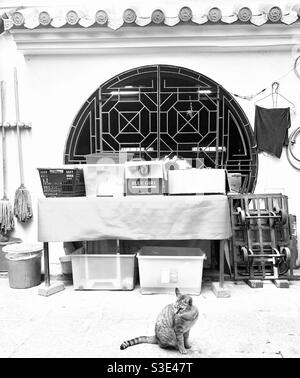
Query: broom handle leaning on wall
[[3, 116], [18, 127]]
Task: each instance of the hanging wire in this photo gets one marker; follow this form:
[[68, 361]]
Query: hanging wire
[[249, 97], [294, 68], [292, 141], [289, 150]]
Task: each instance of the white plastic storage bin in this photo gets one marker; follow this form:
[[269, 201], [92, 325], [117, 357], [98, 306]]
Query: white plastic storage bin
[[162, 269], [103, 272], [104, 180]]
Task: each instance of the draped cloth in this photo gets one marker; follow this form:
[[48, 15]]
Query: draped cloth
[[271, 129], [134, 218]]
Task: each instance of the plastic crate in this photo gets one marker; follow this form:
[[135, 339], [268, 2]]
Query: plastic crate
[[64, 182], [103, 272], [162, 269]]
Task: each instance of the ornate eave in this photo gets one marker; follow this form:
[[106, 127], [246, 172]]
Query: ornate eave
[[141, 15], [73, 30], [179, 39]]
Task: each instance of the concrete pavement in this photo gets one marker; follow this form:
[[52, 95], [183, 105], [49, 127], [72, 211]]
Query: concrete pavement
[[262, 322]]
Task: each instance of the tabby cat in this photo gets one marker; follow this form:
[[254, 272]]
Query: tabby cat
[[172, 326]]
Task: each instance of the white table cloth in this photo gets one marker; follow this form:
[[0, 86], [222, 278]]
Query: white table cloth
[[134, 218]]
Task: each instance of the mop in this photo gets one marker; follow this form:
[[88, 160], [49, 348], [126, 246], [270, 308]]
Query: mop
[[22, 203], [6, 211]]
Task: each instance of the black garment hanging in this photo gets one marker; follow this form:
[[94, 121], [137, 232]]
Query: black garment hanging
[[271, 129]]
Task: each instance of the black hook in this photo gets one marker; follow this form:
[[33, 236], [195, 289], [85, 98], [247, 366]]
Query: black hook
[[275, 84]]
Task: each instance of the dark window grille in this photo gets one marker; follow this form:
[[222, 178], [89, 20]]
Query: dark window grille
[[163, 109]]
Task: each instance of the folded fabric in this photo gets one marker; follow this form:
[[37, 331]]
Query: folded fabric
[[271, 129]]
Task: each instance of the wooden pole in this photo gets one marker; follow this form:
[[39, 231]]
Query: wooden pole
[[20, 151], [46, 264], [221, 271], [4, 153]]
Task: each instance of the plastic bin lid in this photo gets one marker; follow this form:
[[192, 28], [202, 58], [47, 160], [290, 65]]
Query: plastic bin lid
[[5, 240], [172, 252], [23, 248]]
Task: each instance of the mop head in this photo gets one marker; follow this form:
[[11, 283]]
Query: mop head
[[6, 216], [22, 205]]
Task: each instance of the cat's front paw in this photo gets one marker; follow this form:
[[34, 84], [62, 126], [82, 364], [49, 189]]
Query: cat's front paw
[[183, 351]]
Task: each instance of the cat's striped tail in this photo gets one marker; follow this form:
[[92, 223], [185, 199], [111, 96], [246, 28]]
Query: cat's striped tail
[[139, 340]]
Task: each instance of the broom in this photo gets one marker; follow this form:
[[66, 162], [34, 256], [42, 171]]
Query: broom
[[22, 203], [6, 211]]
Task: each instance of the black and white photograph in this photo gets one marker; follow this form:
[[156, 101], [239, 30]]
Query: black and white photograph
[[149, 182]]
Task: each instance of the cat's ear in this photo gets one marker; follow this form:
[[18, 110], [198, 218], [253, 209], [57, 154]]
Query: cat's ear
[[177, 292]]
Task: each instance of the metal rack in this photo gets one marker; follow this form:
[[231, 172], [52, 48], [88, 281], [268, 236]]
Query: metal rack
[[261, 236]]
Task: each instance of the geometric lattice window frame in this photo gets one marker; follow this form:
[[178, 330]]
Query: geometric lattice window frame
[[163, 109]]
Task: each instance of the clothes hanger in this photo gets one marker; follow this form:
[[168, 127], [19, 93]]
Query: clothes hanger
[[275, 95]]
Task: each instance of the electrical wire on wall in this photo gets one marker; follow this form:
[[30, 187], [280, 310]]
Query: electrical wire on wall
[[254, 95], [292, 158], [295, 67]]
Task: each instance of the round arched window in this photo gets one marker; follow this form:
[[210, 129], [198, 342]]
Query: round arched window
[[158, 110]]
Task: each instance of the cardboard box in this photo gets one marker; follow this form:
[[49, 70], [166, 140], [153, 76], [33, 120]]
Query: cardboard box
[[197, 181], [144, 177]]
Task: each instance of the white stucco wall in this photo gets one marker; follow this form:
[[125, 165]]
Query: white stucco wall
[[53, 88]]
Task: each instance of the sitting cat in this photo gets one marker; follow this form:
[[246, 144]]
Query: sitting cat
[[172, 325]]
